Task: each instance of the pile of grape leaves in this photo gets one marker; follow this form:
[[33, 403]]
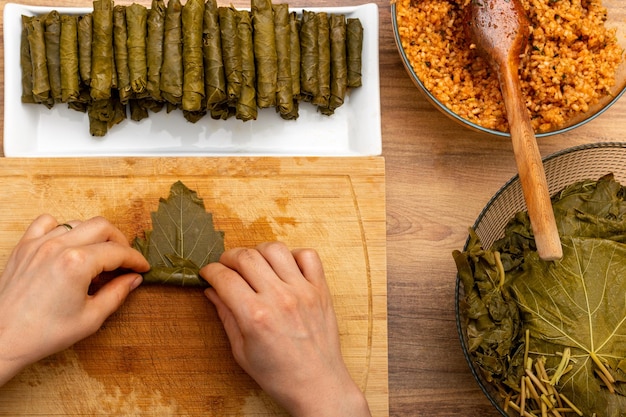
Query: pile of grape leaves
[[577, 303], [182, 240]]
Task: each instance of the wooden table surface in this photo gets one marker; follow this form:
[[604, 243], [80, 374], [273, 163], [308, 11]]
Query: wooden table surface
[[439, 177]]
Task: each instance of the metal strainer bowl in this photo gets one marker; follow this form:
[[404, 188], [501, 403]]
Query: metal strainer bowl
[[563, 168]]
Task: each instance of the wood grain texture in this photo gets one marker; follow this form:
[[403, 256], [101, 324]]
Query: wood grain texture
[[439, 176], [165, 352]]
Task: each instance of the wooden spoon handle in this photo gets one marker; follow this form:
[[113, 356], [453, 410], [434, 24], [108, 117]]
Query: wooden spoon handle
[[530, 169]]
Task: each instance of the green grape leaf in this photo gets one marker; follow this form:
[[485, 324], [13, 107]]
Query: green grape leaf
[[579, 302], [182, 241], [592, 209]]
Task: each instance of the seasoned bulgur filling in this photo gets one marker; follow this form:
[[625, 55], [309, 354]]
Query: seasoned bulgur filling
[[570, 61]]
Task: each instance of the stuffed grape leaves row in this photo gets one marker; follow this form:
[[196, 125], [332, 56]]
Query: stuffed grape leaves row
[[198, 57]]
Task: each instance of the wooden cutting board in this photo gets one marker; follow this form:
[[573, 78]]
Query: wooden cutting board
[[165, 353]]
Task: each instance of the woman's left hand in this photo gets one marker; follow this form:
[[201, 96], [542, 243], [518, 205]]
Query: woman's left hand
[[45, 306]]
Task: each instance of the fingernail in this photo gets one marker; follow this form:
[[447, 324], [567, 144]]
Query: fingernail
[[137, 282]]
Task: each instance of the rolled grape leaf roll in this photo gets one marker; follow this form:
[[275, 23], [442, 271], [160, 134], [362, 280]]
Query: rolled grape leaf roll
[[102, 50], [104, 114], [26, 63], [294, 37], [119, 111], [338, 63], [138, 111], [120, 49], [246, 108], [193, 65], [85, 37], [264, 52], [37, 44], [154, 48], [99, 113], [231, 53], [172, 68], [284, 86], [136, 23], [214, 79], [323, 63], [355, 47], [68, 50], [309, 56], [295, 61], [52, 36]]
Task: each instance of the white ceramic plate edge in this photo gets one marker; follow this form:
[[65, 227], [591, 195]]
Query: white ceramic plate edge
[[31, 130]]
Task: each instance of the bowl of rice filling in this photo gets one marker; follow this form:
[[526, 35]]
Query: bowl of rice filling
[[548, 338], [571, 71]]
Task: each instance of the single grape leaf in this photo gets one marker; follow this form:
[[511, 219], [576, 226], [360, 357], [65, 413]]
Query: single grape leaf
[[593, 209], [579, 302], [182, 240]]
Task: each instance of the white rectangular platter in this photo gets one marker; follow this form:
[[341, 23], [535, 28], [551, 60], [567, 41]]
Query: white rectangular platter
[[32, 130]]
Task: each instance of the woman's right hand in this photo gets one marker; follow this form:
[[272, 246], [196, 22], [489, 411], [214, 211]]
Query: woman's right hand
[[277, 311]]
